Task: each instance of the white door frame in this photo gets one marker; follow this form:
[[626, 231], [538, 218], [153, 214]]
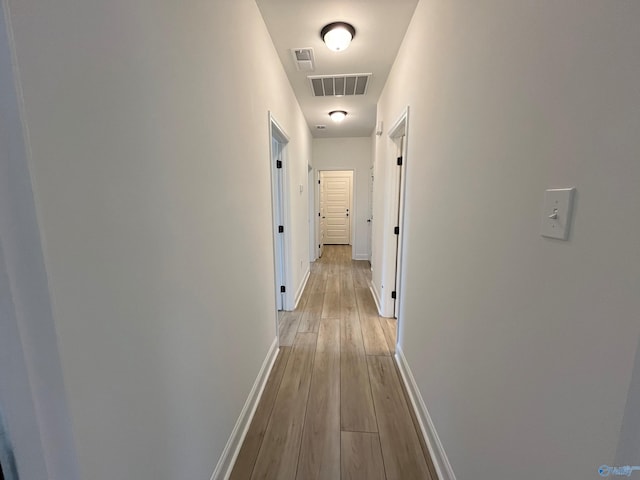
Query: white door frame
[[278, 141], [370, 213], [398, 136], [318, 232], [311, 181]]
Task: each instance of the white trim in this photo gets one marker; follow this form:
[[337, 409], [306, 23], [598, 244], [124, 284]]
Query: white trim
[[389, 272], [400, 130], [436, 450], [375, 298], [361, 256], [301, 288], [232, 449], [277, 132], [316, 210], [311, 185]]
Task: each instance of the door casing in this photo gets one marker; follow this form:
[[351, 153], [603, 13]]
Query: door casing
[[399, 139], [400, 171], [278, 141]]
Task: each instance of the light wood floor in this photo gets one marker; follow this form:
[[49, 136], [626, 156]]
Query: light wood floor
[[334, 406]]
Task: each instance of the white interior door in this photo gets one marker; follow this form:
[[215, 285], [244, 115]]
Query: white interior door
[[322, 217], [336, 194]]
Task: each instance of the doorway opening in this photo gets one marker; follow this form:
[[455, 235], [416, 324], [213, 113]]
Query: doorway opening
[[279, 199], [335, 208]]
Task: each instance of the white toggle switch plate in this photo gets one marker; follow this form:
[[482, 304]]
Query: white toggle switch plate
[[556, 213]]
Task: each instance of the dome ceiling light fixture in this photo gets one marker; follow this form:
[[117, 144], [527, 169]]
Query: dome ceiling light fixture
[[337, 115], [337, 35]]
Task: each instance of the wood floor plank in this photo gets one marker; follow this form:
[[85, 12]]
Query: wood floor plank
[[278, 455], [359, 273], [316, 278], [288, 328], [331, 305], [317, 282], [389, 327], [401, 449], [337, 357], [347, 291], [366, 304], [330, 261], [253, 440], [357, 412], [361, 456], [375, 342], [306, 293], [342, 254], [320, 449], [310, 319]]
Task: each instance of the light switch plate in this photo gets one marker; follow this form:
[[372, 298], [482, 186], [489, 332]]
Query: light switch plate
[[556, 213]]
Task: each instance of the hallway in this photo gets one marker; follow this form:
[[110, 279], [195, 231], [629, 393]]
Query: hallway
[[334, 406]]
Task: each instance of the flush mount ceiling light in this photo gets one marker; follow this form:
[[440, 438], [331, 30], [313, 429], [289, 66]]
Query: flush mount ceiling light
[[337, 115], [338, 35]]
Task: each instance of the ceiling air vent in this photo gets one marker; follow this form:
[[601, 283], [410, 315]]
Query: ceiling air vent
[[321, 127], [338, 85], [303, 59]]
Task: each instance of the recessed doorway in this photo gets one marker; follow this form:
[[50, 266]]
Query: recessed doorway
[[279, 141], [336, 207]]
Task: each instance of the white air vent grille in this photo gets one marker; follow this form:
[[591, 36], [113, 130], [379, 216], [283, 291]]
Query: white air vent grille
[[337, 85], [303, 59]]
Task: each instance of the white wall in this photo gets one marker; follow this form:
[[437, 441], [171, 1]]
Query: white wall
[[149, 151], [522, 347], [350, 154]]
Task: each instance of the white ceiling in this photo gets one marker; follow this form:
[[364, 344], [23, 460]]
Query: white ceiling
[[380, 27]]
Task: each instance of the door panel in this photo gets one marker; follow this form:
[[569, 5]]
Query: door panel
[[322, 218], [336, 196]]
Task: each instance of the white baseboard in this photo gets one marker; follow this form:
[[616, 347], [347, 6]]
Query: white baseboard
[[301, 288], [436, 450], [231, 450], [361, 256], [375, 298]]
